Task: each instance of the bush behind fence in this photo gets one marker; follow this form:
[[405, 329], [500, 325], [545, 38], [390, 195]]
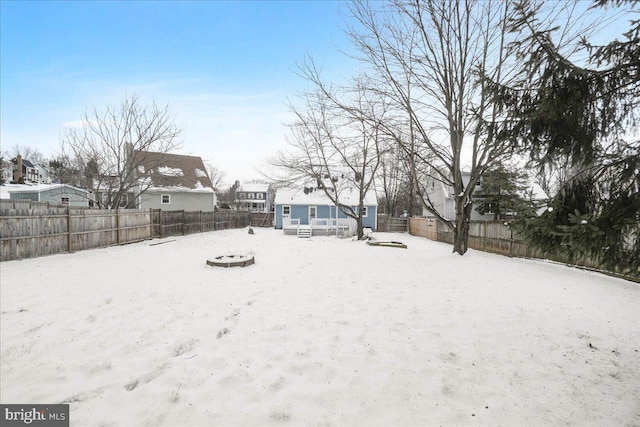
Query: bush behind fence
[[31, 229]]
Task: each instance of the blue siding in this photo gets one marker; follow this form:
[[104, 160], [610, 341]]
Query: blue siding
[[302, 212]]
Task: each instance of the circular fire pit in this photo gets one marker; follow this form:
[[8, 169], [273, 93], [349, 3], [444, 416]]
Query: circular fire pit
[[231, 261]]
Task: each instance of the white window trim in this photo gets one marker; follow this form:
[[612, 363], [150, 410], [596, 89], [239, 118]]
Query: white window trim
[[315, 209], [365, 212], [288, 207], [260, 196], [62, 201], [162, 196]]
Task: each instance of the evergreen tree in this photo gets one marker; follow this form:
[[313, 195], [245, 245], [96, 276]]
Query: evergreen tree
[[505, 193], [588, 113]]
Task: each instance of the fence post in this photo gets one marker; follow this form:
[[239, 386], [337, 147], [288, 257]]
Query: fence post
[[69, 240], [118, 226], [511, 242], [201, 224], [184, 224], [484, 236]]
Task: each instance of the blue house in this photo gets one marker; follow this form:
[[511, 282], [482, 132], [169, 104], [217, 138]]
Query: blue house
[[311, 210]]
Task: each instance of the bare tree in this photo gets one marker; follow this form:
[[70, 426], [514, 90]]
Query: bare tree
[[392, 179], [116, 144], [29, 153], [336, 145], [431, 59], [217, 176], [67, 170]]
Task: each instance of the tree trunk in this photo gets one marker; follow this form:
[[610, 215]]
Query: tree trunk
[[360, 229], [461, 232]]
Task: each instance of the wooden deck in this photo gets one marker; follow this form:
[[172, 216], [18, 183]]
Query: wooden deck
[[321, 226]]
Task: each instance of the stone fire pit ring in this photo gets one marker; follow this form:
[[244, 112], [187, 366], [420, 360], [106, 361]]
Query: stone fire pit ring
[[231, 261]]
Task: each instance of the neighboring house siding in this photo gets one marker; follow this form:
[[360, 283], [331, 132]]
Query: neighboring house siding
[[15, 195], [178, 201], [249, 197], [445, 203], [76, 198]]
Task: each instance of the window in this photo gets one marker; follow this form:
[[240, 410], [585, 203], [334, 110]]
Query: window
[[124, 200], [166, 199], [260, 196], [64, 201], [252, 196], [365, 212], [240, 195], [313, 212], [286, 210]]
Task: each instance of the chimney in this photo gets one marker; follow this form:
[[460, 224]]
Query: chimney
[[18, 173]]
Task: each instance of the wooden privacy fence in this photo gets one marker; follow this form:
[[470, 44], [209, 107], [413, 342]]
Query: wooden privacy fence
[[262, 219], [173, 223], [34, 229], [492, 236], [389, 224], [30, 229]]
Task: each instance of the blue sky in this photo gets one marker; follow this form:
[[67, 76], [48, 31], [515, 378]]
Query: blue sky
[[226, 69]]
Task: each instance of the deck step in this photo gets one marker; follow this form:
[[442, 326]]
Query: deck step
[[304, 231]]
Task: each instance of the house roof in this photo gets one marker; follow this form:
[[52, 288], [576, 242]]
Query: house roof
[[27, 163], [175, 172], [348, 197], [5, 189], [255, 187]]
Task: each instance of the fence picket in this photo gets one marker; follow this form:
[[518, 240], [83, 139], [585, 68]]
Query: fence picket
[[30, 229]]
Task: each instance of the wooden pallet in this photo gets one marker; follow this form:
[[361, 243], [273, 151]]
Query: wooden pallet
[[387, 244]]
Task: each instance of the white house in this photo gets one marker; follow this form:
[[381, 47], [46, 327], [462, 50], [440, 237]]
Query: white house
[[443, 198]]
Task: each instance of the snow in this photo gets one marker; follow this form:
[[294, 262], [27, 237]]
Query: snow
[[320, 331], [167, 171], [254, 187], [6, 189], [199, 188], [347, 196], [200, 173]]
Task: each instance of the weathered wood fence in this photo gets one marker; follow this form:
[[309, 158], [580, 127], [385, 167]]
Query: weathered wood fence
[[389, 224], [262, 219], [30, 229], [496, 237], [174, 223]]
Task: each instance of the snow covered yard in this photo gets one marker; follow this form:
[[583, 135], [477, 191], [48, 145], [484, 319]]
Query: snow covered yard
[[319, 332]]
